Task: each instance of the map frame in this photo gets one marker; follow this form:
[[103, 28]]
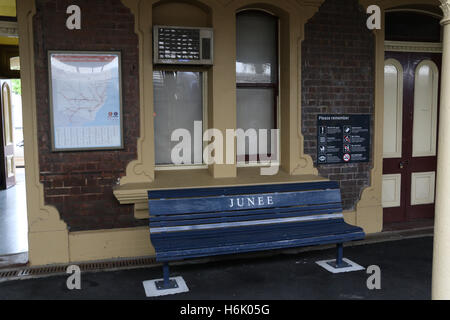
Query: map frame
[[118, 54]]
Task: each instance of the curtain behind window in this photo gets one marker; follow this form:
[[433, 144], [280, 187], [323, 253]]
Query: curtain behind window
[[178, 102]]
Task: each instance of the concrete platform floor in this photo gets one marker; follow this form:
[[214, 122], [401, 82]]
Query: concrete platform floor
[[405, 274], [13, 218]]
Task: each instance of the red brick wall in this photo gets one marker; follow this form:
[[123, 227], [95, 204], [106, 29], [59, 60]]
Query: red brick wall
[[79, 184], [338, 77]]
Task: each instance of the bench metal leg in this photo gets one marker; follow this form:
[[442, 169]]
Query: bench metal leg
[[339, 264], [166, 283], [339, 256], [166, 273]]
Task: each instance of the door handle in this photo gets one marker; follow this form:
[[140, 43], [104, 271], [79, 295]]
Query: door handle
[[403, 164]]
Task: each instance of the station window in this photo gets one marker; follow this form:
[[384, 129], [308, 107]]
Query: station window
[[257, 79], [179, 102]]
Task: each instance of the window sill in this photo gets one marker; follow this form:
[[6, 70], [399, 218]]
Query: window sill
[[137, 193], [181, 167]]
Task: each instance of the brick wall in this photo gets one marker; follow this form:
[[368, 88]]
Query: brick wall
[[338, 74], [338, 77], [79, 184]]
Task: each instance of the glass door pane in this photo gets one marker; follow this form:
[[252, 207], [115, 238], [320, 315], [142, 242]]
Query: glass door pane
[[425, 109]]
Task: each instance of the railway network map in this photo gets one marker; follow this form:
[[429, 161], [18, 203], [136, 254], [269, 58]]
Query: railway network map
[[86, 101]]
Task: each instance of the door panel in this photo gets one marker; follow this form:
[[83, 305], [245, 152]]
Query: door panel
[[392, 190], [414, 164], [422, 188], [7, 161]]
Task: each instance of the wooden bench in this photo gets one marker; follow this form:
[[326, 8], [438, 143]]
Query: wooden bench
[[192, 223]]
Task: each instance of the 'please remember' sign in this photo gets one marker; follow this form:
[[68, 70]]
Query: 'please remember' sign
[[343, 138]]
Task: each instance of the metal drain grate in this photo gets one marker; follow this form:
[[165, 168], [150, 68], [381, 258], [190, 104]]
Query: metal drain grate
[[38, 272], [8, 274]]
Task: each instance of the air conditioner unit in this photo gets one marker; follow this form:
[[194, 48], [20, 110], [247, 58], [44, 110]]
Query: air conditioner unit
[[182, 45]]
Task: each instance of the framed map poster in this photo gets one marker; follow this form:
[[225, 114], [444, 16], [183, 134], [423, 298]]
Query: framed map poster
[[85, 100]]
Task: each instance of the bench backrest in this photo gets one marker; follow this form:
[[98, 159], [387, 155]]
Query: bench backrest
[[225, 207]]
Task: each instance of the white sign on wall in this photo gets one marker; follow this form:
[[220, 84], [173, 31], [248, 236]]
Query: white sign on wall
[[86, 101]]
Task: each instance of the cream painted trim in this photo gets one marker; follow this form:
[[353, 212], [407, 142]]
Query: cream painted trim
[[404, 46], [435, 110], [48, 234], [9, 29], [142, 170], [399, 131], [369, 210], [350, 217]]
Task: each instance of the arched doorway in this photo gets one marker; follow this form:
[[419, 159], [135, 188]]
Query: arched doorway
[[412, 73]]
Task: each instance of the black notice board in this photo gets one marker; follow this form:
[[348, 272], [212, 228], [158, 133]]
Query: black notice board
[[343, 138]]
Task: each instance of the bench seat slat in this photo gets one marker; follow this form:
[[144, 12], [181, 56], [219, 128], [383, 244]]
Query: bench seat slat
[[259, 246], [222, 219], [252, 235], [238, 190], [248, 230], [223, 203], [226, 225], [187, 217]]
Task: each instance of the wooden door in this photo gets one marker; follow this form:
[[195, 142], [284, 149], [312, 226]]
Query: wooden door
[[7, 161], [410, 135]]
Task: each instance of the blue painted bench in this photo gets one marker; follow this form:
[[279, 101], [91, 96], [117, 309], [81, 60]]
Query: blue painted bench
[[193, 223]]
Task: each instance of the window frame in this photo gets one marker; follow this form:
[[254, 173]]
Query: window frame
[[275, 86]]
